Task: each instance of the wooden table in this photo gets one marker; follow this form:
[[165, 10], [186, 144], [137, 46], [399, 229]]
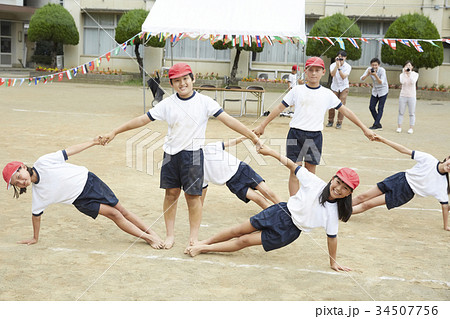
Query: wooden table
[[259, 94]]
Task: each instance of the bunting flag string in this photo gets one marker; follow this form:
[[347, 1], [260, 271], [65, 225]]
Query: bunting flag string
[[236, 40]]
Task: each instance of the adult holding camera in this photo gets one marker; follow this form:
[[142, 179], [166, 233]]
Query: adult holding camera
[[339, 71], [408, 80], [379, 91]]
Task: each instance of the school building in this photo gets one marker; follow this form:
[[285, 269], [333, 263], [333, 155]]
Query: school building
[[96, 21]]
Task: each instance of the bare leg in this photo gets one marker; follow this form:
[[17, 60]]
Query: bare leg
[[225, 241], [170, 211], [135, 220], [194, 204], [116, 216], [268, 193], [257, 198], [372, 198]]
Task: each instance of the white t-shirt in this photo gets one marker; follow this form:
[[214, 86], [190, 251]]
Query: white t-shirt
[[306, 210], [311, 105], [219, 165], [187, 120], [339, 84], [59, 182], [425, 179], [292, 80]]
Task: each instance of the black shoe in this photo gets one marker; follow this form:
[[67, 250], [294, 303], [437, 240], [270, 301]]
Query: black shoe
[[266, 113], [330, 124], [373, 127]]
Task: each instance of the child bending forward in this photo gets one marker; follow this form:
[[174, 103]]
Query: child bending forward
[[316, 204], [55, 181]]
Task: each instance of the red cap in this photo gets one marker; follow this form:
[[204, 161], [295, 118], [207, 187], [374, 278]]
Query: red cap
[[349, 177], [179, 70], [294, 68], [9, 171], [314, 61]]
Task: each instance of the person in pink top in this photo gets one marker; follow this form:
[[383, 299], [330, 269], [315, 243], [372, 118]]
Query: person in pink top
[[408, 80]]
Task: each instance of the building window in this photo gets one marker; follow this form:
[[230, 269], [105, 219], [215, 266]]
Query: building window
[[188, 49], [5, 43], [99, 34]]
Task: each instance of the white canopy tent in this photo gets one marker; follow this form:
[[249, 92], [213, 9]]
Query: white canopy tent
[[242, 20]]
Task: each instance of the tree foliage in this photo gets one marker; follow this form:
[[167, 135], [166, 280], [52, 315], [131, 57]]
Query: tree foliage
[[336, 25], [129, 25], [53, 23], [413, 26]]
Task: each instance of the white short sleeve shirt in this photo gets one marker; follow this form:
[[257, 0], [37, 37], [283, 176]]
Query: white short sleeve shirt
[[219, 165], [311, 105], [425, 179], [59, 182], [292, 80], [339, 84], [306, 210], [186, 119]]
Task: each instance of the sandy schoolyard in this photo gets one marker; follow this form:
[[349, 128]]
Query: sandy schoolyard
[[402, 254]]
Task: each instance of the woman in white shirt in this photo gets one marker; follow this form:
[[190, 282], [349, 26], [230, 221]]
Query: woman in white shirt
[[408, 80]]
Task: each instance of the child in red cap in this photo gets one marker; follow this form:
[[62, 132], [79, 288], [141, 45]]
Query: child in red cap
[[187, 113], [312, 101], [429, 177], [316, 204], [55, 181]]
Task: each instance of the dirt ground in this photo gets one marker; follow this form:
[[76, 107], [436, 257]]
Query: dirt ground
[[402, 254]]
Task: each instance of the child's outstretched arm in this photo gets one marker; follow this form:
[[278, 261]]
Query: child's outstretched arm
[[266, 150], [130, 125], [275, 112], [234, 141], [332, 249], [352, 117], [36, 226], [400, 148], [75, 149], [237, 126]]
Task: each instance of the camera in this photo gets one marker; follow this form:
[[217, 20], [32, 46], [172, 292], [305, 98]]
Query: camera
[[408, 69], [372, 70], [340, 59]]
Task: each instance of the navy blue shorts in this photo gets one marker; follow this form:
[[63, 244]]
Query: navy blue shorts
[[183, 170], [95, 192], [396, 189], [276, 225], [244, 179], [304, 146]]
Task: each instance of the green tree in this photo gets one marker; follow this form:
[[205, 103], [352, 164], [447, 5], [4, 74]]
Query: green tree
[[53, 23], [130, 24], [219, 45], [413, 26], [336, 25]]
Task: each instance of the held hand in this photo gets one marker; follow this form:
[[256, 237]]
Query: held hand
[[258, 145], [106, 139], [369, 134], [265, 150], [378, 138], [97, 140], [28, 242], [336, 267], [258, 131]]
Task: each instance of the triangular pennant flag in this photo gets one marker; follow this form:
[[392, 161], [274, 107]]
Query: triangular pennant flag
[[51, 78], [124, 46], [116, 51], [108, 56], [8, 83], [132, 41], [97, 62], [2, 82], [148, 36], [45, 80], [268, 39], [60, 76], [416, 44], [353, 41], [30, 80], [329, 40], [391, 43], [317, 38], [405, 42], [341, 43], [91, 66], [258, 41], [69, 74], [431, 42], [21, 82], [141, 35], [75, 71], [84, 69], [364, 39], [36, 81], [14, 82], [446, 41]]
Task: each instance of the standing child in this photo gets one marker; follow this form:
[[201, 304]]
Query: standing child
[[186, 113], [311, 100], [408, 80], [428, 177], [55, 181], [223, 168], [316, 204]]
